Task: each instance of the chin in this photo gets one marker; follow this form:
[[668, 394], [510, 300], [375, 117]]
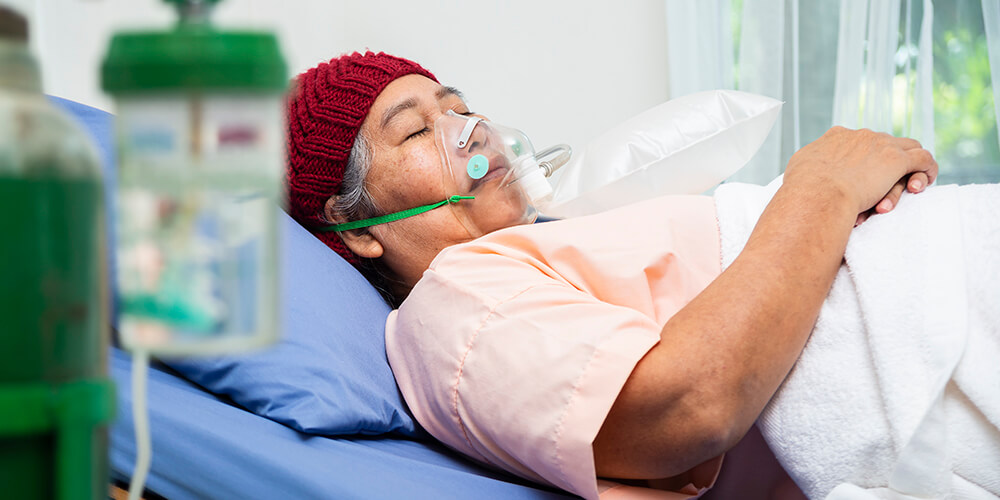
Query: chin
[[512, 216], [498, 210]]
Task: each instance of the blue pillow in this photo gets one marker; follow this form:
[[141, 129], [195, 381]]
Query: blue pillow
[[329, 373]]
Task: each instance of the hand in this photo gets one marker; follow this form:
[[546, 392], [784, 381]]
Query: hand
[[871, 168]]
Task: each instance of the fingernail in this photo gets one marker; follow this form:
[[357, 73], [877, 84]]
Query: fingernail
[[886, 205], [915, 185]]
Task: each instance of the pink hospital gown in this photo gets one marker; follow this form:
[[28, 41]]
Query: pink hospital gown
[[512, 348]]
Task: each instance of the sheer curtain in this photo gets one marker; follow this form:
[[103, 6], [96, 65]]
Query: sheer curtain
[[856, 63], [699, 45], [866, 88]]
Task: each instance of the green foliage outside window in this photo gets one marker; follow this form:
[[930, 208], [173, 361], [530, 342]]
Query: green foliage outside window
[[965, 123]]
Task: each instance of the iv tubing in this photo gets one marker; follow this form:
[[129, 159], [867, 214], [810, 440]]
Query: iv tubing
[[140, 417]]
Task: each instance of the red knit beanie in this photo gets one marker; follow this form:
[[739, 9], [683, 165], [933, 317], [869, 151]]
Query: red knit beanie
[[326, 108]]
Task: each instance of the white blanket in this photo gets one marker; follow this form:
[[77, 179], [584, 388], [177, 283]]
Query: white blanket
[[897, 393]]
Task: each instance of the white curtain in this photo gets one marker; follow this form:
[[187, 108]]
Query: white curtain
[[856, 63], [699, 45], [776, 59], [769, 64], [872, 72]]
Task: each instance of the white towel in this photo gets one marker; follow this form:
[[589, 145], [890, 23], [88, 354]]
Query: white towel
[[897, 392]]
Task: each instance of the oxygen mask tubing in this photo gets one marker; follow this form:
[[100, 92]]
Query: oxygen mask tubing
[[492, 174]]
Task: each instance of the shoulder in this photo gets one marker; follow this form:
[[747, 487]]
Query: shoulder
[[492, 268]]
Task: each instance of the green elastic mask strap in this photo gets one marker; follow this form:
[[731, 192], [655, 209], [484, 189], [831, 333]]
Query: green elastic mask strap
[[382, 219]]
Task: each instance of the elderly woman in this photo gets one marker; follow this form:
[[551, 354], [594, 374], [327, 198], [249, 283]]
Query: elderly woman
[[610, 346]]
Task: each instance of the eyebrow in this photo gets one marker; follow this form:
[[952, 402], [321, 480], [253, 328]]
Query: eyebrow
[[447, 91], [394, 111]]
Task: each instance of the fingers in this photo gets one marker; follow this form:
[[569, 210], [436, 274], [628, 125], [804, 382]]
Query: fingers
[[918, 182], [890, 199], [922, 160], [863, 216], [914, 183], [905, 143]]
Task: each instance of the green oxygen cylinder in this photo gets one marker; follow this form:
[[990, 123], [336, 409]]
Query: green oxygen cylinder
[[55, 397], [200, 135]]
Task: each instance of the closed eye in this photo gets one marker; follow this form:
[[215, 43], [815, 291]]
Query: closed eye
[[418, 133]]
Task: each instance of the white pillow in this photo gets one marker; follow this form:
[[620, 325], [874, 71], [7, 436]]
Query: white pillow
[[684, 146]]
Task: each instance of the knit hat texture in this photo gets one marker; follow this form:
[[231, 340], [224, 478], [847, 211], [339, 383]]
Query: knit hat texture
[[326, 108]]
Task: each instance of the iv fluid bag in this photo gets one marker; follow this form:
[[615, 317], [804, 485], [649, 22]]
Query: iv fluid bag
[[197, 231]]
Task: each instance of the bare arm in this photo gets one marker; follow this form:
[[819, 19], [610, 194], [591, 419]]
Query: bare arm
[[722, 357]]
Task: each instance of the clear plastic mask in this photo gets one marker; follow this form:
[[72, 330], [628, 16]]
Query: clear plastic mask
[[496, 165]]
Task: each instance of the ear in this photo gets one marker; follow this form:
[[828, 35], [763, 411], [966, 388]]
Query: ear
[[360, 241]]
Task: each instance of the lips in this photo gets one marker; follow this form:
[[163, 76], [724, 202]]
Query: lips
[[498, 170]]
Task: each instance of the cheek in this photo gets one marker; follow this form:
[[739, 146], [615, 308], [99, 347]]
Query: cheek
[[406, 180], [422, 236]]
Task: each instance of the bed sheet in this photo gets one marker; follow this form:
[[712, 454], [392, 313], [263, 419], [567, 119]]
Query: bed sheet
[[204, 447]]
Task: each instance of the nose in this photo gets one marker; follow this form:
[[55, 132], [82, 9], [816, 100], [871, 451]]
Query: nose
[[478, 141]]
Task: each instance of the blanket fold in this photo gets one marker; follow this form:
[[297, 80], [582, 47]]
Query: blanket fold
[[897, 392]]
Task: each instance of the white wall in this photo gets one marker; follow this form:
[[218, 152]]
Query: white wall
[[561, 70]]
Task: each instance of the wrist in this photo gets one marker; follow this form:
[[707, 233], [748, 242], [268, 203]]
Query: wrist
[[820, 192]]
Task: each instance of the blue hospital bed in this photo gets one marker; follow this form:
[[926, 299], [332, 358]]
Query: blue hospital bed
[[204, 447]]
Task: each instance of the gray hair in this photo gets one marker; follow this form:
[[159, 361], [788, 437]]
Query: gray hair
[[355, 201]]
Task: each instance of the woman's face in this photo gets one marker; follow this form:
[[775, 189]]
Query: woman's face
[[407, 172]]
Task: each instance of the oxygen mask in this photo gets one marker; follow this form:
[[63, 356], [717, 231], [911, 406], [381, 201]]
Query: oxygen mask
[[491, 176]]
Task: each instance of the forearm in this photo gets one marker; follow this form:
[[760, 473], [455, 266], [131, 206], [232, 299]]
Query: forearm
[[723, 356], [739, 338]]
